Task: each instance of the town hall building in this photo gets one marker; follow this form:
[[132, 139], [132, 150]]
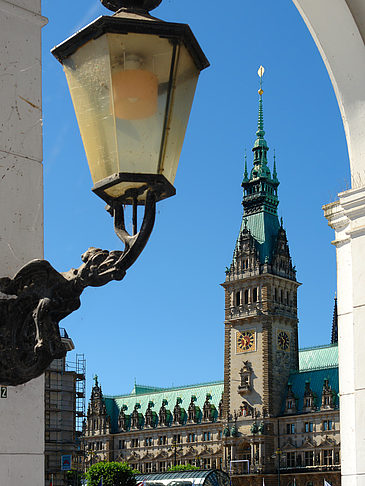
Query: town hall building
[[276, 413]]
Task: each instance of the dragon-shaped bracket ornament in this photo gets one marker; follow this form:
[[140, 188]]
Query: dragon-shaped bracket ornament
[[33, 302]]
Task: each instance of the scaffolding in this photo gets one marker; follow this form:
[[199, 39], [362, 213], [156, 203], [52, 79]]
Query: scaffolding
[[65, 412], [79, 366]]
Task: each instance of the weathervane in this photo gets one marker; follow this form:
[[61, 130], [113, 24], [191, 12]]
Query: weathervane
[[260, 72]]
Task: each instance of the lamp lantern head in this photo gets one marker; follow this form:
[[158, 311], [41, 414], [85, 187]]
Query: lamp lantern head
[[132, 80]]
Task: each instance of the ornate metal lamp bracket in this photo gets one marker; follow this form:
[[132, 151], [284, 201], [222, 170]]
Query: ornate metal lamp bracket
[[33, 302]]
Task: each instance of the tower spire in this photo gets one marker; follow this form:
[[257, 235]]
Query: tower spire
[[260, 147], [274, 173], [260, 198], [245, 174], [260, 123]]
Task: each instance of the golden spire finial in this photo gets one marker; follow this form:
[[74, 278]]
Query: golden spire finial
[[260, 72]]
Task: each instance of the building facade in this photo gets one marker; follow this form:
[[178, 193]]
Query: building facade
[[276, 414], [64, 398]]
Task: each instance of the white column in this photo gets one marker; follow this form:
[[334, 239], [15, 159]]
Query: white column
[[347, 218], [21, 219], [338, 29]]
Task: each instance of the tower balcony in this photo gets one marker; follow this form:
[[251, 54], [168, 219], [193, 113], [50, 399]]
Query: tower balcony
[[246, 310]]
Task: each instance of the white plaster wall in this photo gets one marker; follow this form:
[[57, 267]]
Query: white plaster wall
[[21, 219]]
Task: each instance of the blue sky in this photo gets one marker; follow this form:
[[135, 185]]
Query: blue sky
[[163, 324]]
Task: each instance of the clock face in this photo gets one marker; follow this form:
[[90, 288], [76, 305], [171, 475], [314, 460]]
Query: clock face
[[245, 341], [283, 340]]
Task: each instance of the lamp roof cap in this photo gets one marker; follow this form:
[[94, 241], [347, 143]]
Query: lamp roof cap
[[145, 5]]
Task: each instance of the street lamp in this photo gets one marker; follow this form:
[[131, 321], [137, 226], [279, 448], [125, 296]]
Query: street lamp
[[132, 79], [174, 446]]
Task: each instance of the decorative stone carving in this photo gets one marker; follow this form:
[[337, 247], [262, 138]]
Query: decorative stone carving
[[246, 410], [309, 398], [135, 418], [207, 408], [123, 419], [178, 416], [290, 402], [220, 408], [328, 396], [164, 414], [149, 416], [33, 302], [245, 386], [192, 415]]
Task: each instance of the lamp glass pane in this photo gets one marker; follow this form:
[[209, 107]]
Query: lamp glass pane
[[186, 78], [140, 73], [89, 79], [120, 85]]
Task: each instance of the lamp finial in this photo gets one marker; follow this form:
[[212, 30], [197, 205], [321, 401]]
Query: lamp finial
[[144, 5]]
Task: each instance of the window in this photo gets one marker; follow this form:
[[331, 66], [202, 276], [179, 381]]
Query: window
[[191, 437], [206, 436], [238, 298], [220, 435], [176, 439], [281, 296], [162, 440], [287, 298], [134, 443], [308, 458], [327, 457], [290, 428], [162, 466], [246, 296], [308, 427], [289, 405], [206, 463], [148, 442], [121, 443], [148, 467], [254, 295], [327, 425], [276, 295], [308, 402], [290, 459]]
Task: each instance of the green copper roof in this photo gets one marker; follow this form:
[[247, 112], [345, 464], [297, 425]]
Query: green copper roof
[[315, 365], [156, 395], [316, 379], [142, 389], [264, 228], [321, 357]]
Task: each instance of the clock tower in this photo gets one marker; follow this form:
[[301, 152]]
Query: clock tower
[[261, 325]]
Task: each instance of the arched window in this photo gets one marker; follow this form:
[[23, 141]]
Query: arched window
[[246, 296], [238, 298], [254, 295]]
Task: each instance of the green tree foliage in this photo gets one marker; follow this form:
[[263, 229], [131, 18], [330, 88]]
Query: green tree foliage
[[73, 478], [181, 467], [113, 474]]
